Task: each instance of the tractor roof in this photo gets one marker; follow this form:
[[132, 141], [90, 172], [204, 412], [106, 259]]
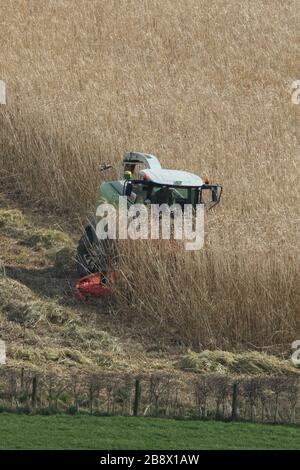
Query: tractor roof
[[171, 177], [155, 173]]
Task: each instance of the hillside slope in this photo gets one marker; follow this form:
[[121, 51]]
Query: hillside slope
[[46, 329], [205, 86], [42, 323]]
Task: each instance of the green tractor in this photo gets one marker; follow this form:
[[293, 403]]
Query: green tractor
[[142, 180]]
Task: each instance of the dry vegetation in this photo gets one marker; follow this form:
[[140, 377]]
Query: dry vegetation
[[206, 87], [48, 332]]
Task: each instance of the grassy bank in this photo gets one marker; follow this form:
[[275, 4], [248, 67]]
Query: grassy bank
[[68, 432]]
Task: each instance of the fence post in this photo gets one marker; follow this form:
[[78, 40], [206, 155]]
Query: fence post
[[34, 392], [234, 410], [91, 397], [137, 398]]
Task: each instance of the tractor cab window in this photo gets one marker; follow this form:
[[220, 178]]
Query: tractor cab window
[[173, 195], [139, 193], [185, 196], [162, 195], [159, 194]]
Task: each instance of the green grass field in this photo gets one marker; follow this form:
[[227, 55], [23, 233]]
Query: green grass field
[[108, 433]]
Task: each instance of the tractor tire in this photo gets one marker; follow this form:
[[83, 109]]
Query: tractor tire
[[87, 252]]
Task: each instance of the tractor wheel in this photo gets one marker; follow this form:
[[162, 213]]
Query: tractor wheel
[[88, 252]]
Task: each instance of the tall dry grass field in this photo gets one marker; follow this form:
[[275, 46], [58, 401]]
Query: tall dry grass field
[[204, 85]]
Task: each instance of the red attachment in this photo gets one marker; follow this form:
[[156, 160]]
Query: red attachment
[[91, 285]]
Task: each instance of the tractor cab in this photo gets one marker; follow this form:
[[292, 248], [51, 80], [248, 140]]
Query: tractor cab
[[155, 185], [169, 187]]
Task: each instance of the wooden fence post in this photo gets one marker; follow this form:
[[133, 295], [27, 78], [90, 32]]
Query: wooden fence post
[[91, 397], [34, 392], [234, 410], [137, 398]]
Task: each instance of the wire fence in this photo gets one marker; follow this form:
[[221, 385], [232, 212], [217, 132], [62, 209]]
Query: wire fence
[[258, 399]]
